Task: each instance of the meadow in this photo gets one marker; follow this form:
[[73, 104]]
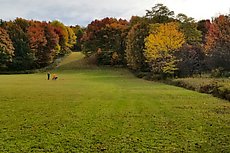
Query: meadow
[[107, 110]]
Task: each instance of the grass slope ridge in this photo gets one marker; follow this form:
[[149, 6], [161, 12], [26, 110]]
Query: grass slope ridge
[[76, 60], [109, 110]]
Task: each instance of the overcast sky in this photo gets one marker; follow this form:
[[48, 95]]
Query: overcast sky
[[82, 12]]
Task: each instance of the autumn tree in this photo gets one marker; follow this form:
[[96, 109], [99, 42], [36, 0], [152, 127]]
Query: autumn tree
[[23, 56], [136, 20], [108, 35], [37, 41], [159, 14], [164, 40], [43, 42], [6, 49], [52, 49], [135, 45], [71, 38], [203, 26], [36, 44], [62, 31], [218, 43], [79, 31]]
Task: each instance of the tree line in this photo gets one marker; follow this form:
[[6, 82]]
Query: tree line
[[28, 44], [161, 43]]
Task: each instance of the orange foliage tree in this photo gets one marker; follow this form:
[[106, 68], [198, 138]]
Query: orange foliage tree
[[43, 42], [6, 48]]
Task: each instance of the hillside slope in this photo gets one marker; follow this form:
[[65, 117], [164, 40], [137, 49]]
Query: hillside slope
[[76, 60]]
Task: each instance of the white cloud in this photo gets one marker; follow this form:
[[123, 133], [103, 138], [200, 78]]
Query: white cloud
[[198, 9], [82, 12]]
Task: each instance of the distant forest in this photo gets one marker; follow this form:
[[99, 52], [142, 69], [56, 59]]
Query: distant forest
[[160, 43]]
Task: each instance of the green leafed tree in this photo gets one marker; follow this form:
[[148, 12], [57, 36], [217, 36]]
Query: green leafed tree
[[164, 40], [189, 27], [159, 14], [79, 31], [23, 56]]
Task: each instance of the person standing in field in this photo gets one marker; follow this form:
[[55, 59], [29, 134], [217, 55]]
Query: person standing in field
[[48, 75]]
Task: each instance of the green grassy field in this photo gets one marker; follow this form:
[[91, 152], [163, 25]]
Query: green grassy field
[[108, 110]]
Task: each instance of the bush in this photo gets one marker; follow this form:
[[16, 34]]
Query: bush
[[223, 91], [217, 72], [104, 58], [218, 88], [140, 74], [209, 88], [108, 58]]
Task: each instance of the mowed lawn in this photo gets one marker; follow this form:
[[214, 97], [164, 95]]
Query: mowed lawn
[[108, 110]]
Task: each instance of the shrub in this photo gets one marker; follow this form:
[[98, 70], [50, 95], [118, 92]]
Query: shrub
[[216, 87]]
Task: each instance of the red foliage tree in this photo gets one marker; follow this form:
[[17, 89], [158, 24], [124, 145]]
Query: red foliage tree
[[43, 42], [107, 34], [37, 41], [52, 47], [218, 43]]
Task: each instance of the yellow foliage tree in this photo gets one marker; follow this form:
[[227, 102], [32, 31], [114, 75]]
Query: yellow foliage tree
[[72, 38], [164, 40]]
